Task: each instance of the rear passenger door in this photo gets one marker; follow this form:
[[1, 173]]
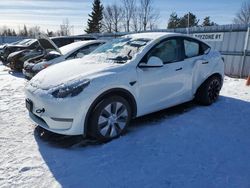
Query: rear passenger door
[[196, 60]]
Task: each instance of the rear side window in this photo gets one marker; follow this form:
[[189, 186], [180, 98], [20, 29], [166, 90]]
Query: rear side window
[[62, 41], [191, 48], [194, 48]]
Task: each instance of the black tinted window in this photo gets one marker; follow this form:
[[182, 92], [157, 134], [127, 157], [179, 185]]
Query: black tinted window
[[89, 49], [62, 41], [34, 45]]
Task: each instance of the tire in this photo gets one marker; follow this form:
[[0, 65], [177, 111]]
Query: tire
[[209, 91], [109, 118]]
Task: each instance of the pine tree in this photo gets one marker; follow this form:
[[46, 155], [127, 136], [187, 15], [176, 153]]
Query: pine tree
[[9, 33], [13, 32], [207, 22], [173, 21], [25, 31], [96, 16], [189, 20]]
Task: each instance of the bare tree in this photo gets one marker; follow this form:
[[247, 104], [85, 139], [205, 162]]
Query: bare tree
[[243, 16], [50, 33], [34, 31], [3, 30], [129, 7], [113, 16], [152, 20], [149, 14], [135, 21], [107, 19], [65, 28]]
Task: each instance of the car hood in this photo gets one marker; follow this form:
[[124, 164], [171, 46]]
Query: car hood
[[16, 46], [2, 46], [17, 53], [48, 44], [69, 71]]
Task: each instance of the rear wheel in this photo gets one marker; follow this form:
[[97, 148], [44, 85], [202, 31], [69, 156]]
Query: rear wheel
[[110, 118], [209, 91]]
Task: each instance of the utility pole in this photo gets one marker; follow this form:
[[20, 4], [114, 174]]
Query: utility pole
[[188, 23]]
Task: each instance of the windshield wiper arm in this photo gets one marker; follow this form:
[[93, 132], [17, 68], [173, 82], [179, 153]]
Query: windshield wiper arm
[[122, 59]]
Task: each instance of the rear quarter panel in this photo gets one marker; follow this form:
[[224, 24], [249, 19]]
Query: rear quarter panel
[[202, 71]]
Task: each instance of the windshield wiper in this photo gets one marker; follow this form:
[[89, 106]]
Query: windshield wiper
[[122, 59]]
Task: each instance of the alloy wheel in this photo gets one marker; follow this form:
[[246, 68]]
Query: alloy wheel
[[214, 90], [113, 119]]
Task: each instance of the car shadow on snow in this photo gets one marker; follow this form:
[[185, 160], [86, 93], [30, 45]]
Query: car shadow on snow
[[184, 146], [64, 141], [16, 74]]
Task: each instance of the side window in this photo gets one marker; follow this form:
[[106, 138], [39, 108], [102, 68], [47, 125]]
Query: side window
[[168, 51], [85, 50], [57, 42], [35, 45], [191, 48], [88, 49], [66, 41], [194, 48]]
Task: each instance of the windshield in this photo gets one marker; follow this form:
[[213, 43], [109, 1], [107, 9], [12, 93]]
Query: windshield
[[72, 47], [121, 50]]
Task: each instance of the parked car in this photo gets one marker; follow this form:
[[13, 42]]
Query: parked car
[[70, 51], [26, 44], [3, 46], [1, 51], [65, 40], [128, 77], [17, 58]]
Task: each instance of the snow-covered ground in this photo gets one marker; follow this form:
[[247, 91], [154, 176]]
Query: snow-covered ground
[[186, 146]]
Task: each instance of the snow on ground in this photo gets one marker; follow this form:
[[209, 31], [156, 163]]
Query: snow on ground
[[185, 146]]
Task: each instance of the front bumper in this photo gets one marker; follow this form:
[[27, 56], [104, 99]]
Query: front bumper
[[62, 116]]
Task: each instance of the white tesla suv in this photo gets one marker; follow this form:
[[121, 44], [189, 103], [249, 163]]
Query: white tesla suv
[[125, 78]]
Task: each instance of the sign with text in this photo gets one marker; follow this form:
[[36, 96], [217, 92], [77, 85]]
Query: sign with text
[[213, 37]]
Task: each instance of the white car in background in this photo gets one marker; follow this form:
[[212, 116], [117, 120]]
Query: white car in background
[[58, 55], [128, 77]]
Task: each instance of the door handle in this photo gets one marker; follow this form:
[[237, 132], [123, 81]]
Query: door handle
[[178, 69], [205, 62]]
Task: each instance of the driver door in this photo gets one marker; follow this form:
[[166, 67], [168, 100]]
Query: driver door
[[162, 87]]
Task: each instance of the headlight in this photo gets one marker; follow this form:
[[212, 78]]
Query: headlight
[[71, 90]]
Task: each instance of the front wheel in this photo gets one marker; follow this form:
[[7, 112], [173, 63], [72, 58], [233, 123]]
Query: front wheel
[[209, 91], [110, 118]]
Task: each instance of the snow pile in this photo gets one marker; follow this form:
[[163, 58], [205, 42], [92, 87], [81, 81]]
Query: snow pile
[[186, 146]]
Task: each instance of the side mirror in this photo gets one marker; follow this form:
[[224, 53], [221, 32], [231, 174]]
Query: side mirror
[[79, 55], [153, 62]]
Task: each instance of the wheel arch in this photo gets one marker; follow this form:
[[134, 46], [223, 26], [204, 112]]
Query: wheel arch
[[111, 92], [218, 75]]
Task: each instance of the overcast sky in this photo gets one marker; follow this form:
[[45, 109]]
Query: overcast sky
[[50, 13]]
